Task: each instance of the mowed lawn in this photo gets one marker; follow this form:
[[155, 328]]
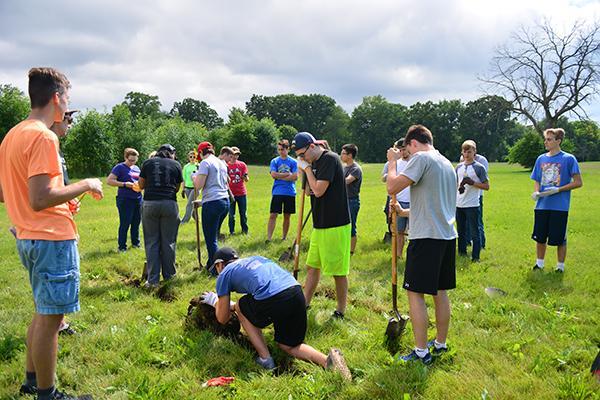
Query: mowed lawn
[[537, 342]]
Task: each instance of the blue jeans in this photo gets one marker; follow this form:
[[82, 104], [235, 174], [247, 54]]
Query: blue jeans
[[468, 217], [53, 268], [161, 225], [480, 223], [130, 215], [213, 213], [242, 205], [354, 205]]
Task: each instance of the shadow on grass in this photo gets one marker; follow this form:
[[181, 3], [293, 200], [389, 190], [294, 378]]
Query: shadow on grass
[[98, 254], [541, 282]]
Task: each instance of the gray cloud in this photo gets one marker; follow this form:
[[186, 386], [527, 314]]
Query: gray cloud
[[223, 52]]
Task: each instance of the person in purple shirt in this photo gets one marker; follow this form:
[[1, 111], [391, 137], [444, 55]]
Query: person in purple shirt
[[129, 202], [555, 174], [271, 296]]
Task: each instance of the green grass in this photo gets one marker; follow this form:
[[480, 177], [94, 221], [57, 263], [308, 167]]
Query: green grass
[[538, 342]]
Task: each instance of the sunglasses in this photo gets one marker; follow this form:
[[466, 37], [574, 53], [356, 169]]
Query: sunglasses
[[68, 119]]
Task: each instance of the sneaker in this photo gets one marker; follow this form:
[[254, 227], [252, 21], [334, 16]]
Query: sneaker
[[434, 350], [537, 268], [122, 250], [58, 395], [336, 362], [148, 285], [559, 269], [28, 389], [268, 364], [337, 315], [66, 330], [136, 246], [412, 356]]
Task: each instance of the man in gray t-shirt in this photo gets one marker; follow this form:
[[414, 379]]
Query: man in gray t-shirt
[[431, 254], [353, 179]]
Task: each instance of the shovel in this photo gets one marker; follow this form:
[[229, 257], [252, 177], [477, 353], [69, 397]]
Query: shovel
[[287, 255], [296, 245], [197, 204], [396, 323]]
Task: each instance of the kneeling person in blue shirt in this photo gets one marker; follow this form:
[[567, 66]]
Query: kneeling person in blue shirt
[[272, 296]]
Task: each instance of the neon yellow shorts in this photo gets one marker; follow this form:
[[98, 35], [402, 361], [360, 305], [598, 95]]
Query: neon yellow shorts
[[329, 250]]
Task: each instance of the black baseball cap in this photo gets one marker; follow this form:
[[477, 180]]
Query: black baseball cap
[[168, 147], [224, 254]]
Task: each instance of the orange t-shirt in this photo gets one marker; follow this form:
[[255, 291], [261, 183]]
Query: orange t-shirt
[[31, 149]]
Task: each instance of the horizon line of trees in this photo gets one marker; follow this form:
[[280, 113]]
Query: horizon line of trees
[[96, 140]]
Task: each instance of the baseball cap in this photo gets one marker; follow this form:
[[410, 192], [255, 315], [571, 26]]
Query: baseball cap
[[204, 145], [168, 147], [236, 150], [224, 254], [303, 139]]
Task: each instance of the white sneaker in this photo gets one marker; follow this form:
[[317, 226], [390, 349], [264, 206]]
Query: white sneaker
[[560, 269]]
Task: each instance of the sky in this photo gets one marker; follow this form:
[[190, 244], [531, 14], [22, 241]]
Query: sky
[[223, 52]]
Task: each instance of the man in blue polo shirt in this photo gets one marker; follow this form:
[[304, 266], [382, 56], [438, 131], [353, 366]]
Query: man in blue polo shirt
[[272, 296], [555, 174]]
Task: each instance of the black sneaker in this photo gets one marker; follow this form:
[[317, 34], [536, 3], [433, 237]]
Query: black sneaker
[[28, 389], [58, 395], [67, 330], [337, 315], [537, 268]]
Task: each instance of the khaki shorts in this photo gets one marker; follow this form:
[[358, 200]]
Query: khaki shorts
[[329, 250]]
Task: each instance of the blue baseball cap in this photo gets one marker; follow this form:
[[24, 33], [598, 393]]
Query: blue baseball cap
[[303, 139]]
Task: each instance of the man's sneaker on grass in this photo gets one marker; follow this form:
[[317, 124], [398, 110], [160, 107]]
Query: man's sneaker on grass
[[336, 362], [58, 395], [537, 268], [268, 364], [436, 350], [28, 389], [412, 356], [337, 315], [560, 269]]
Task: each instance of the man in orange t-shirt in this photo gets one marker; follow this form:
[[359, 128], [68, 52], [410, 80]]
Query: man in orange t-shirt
[[32, 187]]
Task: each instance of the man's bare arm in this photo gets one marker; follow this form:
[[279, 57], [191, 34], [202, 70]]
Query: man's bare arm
[[42, 195]]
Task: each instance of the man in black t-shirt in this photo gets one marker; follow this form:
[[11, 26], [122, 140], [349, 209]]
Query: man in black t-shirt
[[160, 178], [329, 250]]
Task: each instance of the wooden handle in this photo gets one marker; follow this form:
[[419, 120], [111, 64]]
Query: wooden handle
[[296, 247], [394, 224]]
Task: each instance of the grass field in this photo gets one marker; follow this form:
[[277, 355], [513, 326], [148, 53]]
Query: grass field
[[537, 342]]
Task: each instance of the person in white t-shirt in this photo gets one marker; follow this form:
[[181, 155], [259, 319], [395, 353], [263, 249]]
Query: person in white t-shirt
[[403, 197]]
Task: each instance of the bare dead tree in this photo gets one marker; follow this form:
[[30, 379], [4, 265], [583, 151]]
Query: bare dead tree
[[547, 75]]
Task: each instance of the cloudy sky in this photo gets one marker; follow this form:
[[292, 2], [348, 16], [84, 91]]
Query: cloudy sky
[[222, 52]]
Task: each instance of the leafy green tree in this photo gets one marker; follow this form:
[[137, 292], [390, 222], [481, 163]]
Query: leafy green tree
[[195, 110], [586, 140], [236, 116], [527, 149], [14, 107], [375, 125], [88, 147], [184, 136], [142, 104], [336, 131], [287, 132], [305, 112], [257, 139], [487, 121], [443, 120]]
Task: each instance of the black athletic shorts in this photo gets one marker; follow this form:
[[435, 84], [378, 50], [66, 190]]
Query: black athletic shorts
[[287, 203], [551, 226], [286, 311], [430, 265]]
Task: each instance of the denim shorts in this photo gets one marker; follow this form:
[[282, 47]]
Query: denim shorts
[[53, 268], [403, 221]]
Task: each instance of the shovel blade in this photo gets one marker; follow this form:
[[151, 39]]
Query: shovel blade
[[286, 256]]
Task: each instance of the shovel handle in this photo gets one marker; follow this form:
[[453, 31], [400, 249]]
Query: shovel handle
[[299, 234], [394, 227]]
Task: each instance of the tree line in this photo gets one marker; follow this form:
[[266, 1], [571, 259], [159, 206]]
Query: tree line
[[96, 140]]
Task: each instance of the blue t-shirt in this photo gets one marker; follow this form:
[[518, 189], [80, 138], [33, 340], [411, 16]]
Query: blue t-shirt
[[555, 171], [281, 187], [127, 174], [257, 276]]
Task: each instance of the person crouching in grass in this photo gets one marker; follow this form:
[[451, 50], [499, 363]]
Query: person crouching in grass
[[272, 296]]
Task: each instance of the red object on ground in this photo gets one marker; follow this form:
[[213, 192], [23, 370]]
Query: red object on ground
[[219, 381]]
